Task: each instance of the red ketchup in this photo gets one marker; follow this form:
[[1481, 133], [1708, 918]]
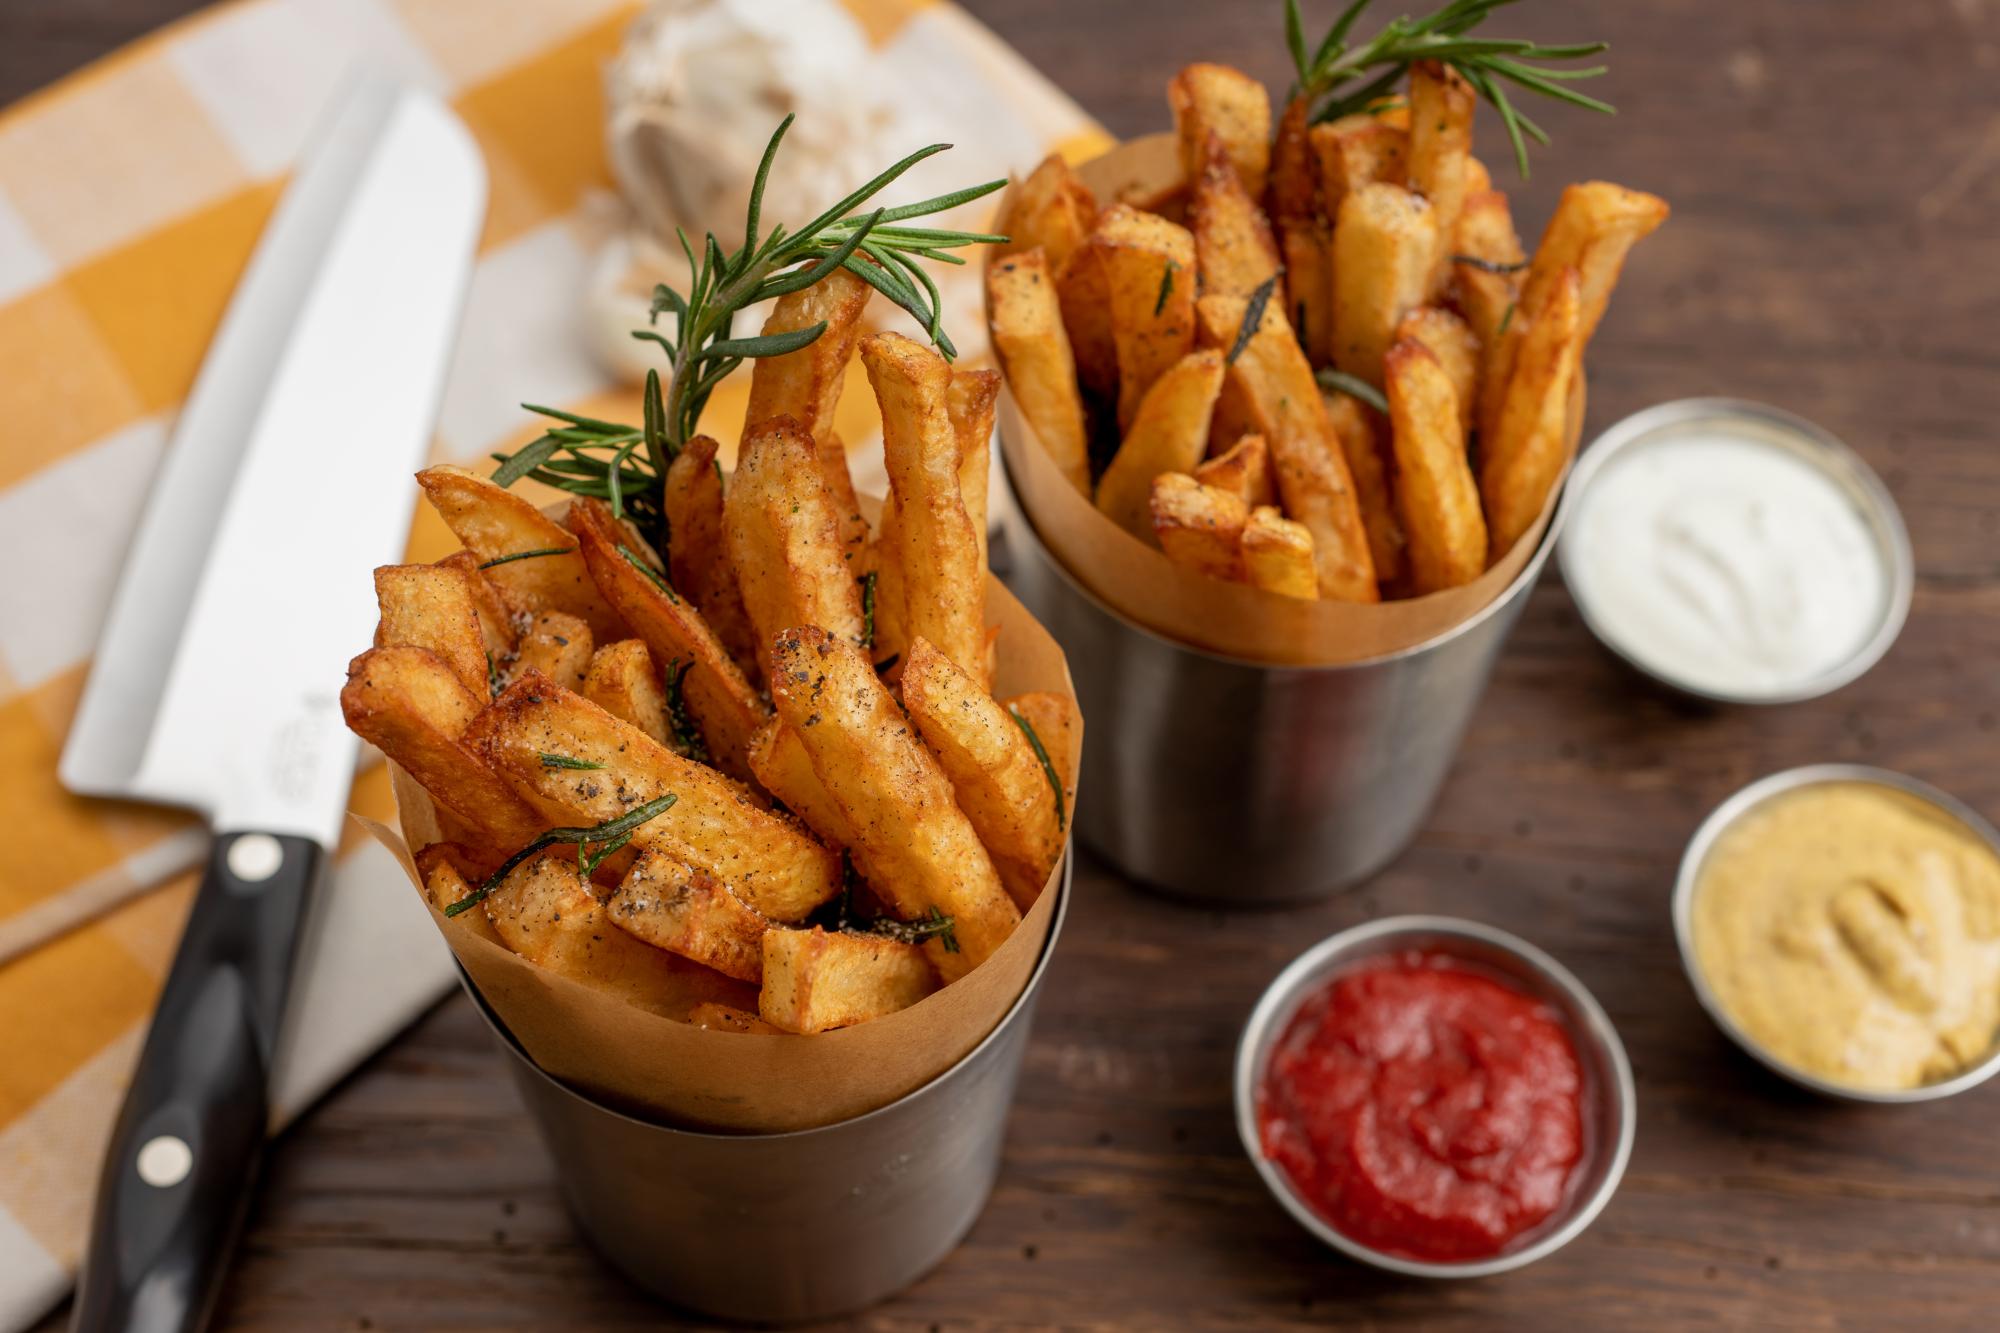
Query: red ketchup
[[1424, 1109]]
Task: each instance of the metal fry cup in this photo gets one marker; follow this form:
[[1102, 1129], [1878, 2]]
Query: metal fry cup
[[784, 1228]]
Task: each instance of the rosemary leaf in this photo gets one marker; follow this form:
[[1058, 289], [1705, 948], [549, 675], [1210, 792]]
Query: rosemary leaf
[[1342, 382], [1253, 318], [1048, 768], [617, 831], [565, 761], [526, 555]]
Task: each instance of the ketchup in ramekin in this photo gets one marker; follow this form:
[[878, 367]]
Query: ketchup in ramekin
[[1425, 1109]]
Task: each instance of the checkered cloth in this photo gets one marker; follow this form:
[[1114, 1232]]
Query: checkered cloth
[[130, 196]]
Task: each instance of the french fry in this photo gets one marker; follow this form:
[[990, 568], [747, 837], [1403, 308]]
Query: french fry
[[911, 842], [974, 398], [1285, 405], [545, 912], [1052, 211], [433, 607], [937, 550], [1362, 430], [1594, 227], [1456, 347], [1278, 555], [1441, 106], [495, 524], [407, 703], [1445, 531], [1085, 296], [1382, 248], [497, 616], [725, 706], [1522, 461], [1199, 527], [1305, 238], [782, 534], [1234, 250], [768, 860], [1028, 333], [1149, 272], [1054, 721], [815, 981], [674, 906], [779, 759], [722, 1018], [1488, 290], [623, 681], [697, 563], [556, 644], [445, 883], [1169, 434], [805, 385], [995, 775], [1357, 150], [1217, 99], [1244, 470]]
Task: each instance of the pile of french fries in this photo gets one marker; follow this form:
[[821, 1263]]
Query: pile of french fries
[[762, 785], [1171, 352]]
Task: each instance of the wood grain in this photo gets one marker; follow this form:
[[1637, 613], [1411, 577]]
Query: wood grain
[[1831, 251]]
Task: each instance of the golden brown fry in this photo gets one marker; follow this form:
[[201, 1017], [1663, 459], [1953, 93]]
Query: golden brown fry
[[1051, 210], [999, 783], [1441, 106], [1594, 227], [725, 706], [1456, 347], [1199, 527], [1286, 408], [445, 883], [1054, 720], [407, 703], [1234, 250], [434, 607], [674, 906], [1149, 277], [782, 533], [805, 385], [1363, 443], [623, 681], [1488, 292], [546, 913], [1524, 459], [1305, 237], [1223, 101], [1382, 248], [1278, 555], [779, 759], [498, 618], [1434, 488], [494, 523], [556, 644], [911, 842], [1357, 150], [1028, 334], [1085, 296], [1169, 434], [815, 981], [937, 551], [974, 398], [722, 1018], [1478, 180], [714, 823], [1244, 470], [697, 562]]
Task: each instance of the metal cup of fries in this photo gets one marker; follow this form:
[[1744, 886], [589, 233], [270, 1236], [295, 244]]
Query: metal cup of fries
[[1340, 403]]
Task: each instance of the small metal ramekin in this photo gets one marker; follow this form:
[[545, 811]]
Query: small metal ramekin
[[1809, 442], [1733, 809], [1610, 1102]]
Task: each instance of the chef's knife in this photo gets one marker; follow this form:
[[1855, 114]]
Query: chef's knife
[[216, 684]]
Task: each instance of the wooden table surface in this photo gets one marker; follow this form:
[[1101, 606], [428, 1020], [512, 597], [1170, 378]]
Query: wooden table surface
[[1834, 172]]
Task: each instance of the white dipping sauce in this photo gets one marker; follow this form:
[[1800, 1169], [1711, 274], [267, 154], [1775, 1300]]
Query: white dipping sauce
[[1726, 563]]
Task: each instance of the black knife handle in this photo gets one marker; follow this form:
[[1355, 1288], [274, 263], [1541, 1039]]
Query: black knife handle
[[177, 1178]]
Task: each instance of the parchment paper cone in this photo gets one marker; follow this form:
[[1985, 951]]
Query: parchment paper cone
[[1231, 619], [664, 1070]]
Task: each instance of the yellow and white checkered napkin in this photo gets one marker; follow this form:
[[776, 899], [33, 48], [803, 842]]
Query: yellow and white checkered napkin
[[130, 196]]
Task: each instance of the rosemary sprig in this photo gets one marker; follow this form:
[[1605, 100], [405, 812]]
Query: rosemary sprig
[[633, 558], [1048, 768], [493, 682], [626, 466], [687, 736], [612, 834], [1353, 386], [566, 761], [924, 927], [1340, 79], [867, 582], [511, 557], [1489, 265], [1253, 317]]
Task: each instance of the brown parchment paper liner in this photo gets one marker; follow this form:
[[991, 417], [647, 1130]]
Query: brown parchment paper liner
[[688, 1076], [1232, 619]]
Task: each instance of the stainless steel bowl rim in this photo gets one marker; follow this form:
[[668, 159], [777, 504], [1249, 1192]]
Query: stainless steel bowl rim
[[1515, 586], [1028, 988], [1719, 821], [1899, 558], [1286, 992]]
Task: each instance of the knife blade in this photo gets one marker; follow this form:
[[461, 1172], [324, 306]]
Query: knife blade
[[216, 684]]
